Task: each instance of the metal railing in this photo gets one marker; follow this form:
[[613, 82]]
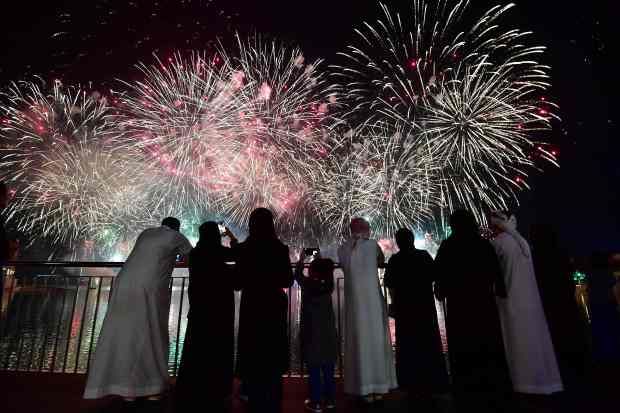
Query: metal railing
[[51, 314]]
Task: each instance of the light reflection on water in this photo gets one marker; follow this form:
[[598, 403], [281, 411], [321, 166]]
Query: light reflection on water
[[53, 322]]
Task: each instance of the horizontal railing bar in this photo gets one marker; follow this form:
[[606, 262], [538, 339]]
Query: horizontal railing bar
[[100, 264]]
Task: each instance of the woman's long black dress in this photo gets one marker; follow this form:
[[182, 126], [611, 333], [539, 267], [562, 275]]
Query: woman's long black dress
[[420, 364], [206, 371], [264, 270], [469, 277]]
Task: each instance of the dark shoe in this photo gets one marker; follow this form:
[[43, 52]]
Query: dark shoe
[[330, 405], [128, 407], [152, 406], [313, 407]]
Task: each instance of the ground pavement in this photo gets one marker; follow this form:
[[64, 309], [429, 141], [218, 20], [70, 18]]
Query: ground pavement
[[56, 393]]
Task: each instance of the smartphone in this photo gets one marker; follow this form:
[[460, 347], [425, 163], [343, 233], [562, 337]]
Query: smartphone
[[222, 228], [311, 251]]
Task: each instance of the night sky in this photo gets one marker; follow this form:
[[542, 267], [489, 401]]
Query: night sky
[[95, 42]]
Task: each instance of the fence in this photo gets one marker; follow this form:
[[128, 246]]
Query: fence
[[51, 314]]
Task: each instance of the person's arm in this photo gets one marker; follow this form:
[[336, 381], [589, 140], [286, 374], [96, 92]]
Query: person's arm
[[191, 266], [233, 240], [285, 275], [299, 269], [183, 247], [330, 284], [13, 249], [439, 270], [388, 278], [380, 256]]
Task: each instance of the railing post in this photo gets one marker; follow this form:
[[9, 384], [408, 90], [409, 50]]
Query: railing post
[[64, 364], [340, 337], [17, 318], [289, 329], [176, 351], [35, 328], [60, 316], [94, 324], [46, 336], [22, 339], [82, 322]]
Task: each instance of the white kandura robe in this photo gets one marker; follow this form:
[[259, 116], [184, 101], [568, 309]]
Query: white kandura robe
[[368, 356], [131, 358], [529, 349]]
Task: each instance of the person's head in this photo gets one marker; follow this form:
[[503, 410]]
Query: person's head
[[462, 222], [171, 223], [209, 233], [4, 195], [321, 269], [499, 221], [405, 239], [261, 224], [360, 228]]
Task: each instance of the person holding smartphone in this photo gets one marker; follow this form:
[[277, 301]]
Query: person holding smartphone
[[205, 377], [319, 339]]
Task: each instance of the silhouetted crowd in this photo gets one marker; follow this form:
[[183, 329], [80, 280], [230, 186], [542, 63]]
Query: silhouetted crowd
[[513, 324]]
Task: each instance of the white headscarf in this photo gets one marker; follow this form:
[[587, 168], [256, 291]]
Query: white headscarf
[[360, 229], [508, 224]]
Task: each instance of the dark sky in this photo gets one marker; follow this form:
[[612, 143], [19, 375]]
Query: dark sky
[[99, 40]]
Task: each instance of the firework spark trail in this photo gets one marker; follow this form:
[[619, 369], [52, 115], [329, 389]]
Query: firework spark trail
[[288, 104], [465, 86], [185, 117], [478, 128], [232, 131], [380, 174], [444, 110], [57, 154], [394, 64]]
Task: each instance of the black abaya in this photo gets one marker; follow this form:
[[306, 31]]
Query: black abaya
[[420, 363], [206, 371]]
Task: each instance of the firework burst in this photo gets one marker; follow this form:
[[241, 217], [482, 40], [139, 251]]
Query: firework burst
[[479, 129], [465, 86], [57, 151], [185, 118], [288, 104], [446, 110], [232, 131], [381, 174]]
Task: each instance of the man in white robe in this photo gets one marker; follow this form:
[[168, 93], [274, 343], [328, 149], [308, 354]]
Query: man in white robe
[[369, 369], [131, 358], [529, 350]]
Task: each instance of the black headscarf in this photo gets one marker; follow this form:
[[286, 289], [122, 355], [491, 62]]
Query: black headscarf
[[261, 225], [209, 235], [405, 239], [171, 223], [463, 224]]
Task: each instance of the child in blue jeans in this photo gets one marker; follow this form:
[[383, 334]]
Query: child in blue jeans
[[319, 340]]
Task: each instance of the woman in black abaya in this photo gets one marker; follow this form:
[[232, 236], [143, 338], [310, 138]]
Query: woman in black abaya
[[206, 371]]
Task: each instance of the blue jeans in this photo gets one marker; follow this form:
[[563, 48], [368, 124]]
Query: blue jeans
[[328, 389]]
